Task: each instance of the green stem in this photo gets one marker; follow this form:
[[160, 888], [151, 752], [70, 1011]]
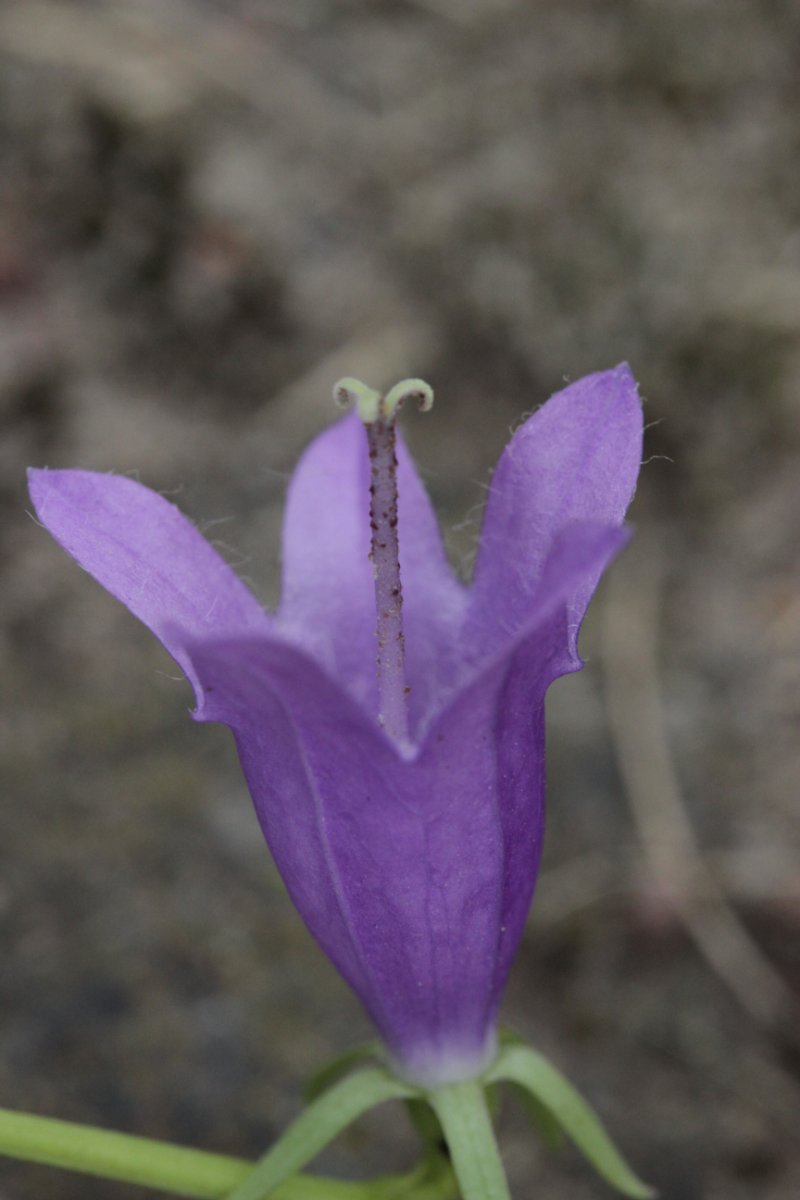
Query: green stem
[[119, 1156], [185, 1172], [467, 1126]]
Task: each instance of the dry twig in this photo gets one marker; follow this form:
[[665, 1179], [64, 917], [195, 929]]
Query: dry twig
[[638, 725]]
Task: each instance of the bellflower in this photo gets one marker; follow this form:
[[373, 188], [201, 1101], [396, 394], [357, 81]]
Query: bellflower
[[404, 806]]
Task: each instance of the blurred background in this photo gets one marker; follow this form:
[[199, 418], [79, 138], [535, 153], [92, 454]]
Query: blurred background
[[209, 211]]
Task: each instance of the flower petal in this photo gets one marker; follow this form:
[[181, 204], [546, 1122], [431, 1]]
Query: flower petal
[[580, 553], [148, 555], [328, 603], [576, 459], [391, 863], [511, 686], [414, 873]]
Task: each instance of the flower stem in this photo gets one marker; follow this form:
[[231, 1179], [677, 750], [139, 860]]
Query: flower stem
[[467, 1127], [119, 1156], [193, 1173]]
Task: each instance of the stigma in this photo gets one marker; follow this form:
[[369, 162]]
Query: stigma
[[378, 413], [373, 407]]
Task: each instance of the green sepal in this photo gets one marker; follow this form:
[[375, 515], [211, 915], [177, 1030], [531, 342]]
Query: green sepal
[[420, 1113], [520, 1065], [548, 1127], [338, 1067], [433, 1179], [318, 1125]]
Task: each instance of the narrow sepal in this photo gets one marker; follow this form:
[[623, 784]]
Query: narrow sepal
[[326, 1117], [521, 1065], [433, 1179], [339, 1067], [547, 1125], [467, 1126]]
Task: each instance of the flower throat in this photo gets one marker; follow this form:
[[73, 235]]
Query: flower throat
[[378, 414]]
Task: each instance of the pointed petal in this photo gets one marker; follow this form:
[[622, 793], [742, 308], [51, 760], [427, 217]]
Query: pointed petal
[[147, 554], [328, 602], [510, 689], [579, 555], [576, 459]]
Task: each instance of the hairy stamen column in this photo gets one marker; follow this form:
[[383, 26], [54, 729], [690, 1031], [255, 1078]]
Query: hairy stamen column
[[385, 556], [378, 414]]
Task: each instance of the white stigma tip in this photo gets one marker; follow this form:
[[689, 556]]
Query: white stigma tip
[[372, 406], [352, 391], [409, 389]]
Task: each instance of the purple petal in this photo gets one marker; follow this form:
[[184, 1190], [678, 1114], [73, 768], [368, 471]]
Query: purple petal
[[147, 554], [576, 459], [413, 870], [328, 602], [580, 553], [394, 864], [414, 873], [513, 684]]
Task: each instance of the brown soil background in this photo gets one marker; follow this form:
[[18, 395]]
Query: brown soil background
[[208, 212]]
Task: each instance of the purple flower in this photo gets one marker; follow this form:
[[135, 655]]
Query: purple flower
[[411, 854]]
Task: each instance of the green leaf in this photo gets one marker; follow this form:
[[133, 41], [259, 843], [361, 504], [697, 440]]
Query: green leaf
[[338, 1067], [464, 1116], [520, 1065], [327, 1116]]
